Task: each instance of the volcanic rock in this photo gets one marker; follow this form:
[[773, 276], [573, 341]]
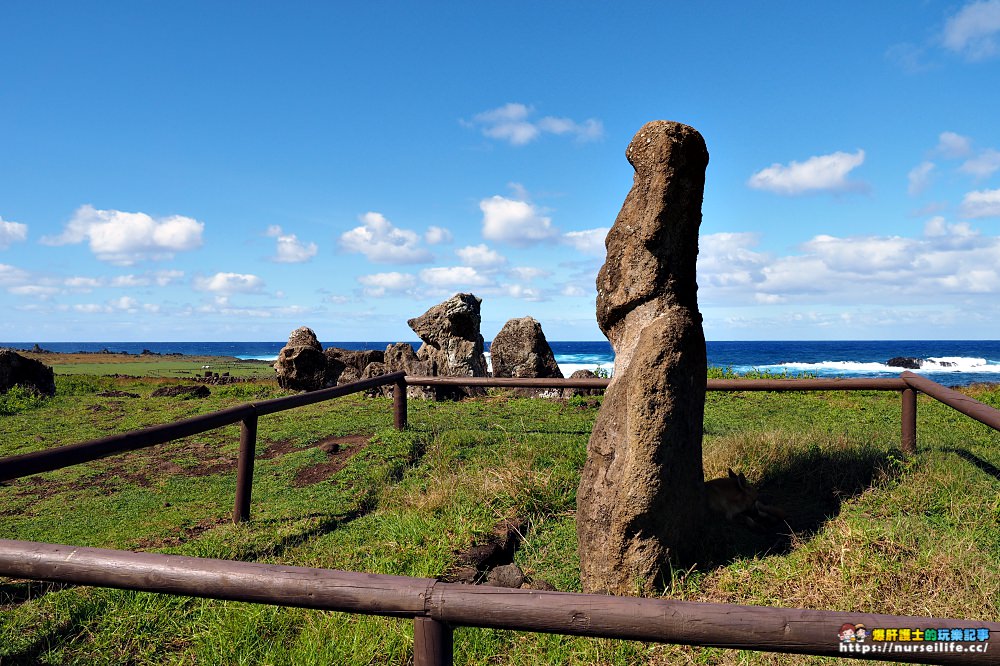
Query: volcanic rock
[[401, 357], [505, 575], [581, 374], [640, 497], [521, 350], [338, 361], [452, 342], [907, 362], [301, 365], [26, 372]]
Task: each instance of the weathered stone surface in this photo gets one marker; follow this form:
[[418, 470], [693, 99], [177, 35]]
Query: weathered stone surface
[[304, 337], [640, 496], [521, 350], [376, 369], [505, 575], [27, 372], [907, 362], [401, 357], [301, 365], [581, 374], [452, 341], [338, 360]]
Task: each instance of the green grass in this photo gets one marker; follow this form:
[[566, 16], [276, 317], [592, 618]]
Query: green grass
[[877, 531]]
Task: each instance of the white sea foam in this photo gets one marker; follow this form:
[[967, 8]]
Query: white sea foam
[[568, 368], [944, 364]]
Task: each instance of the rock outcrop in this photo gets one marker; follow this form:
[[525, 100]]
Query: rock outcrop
[[581, 374], [452, 342], [346, 365], [521, 350], [301, 365], [26, 372], [640, 499], [401, 357]]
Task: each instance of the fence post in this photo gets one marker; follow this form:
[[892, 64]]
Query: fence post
[[908, 416], [244, 468], [432, 642], [399, 404]]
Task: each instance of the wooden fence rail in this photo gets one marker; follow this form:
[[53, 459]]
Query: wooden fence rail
[[908, 397], [437, 607], [959, 401]]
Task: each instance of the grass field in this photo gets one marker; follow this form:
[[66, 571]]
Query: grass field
[[152, 365], [336, 486]]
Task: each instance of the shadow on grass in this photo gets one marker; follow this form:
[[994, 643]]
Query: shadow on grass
[[809, 488], [983, 465], [51, 638], [327, 523], [14, 594]]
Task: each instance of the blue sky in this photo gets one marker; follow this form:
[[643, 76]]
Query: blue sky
[[231, 171]]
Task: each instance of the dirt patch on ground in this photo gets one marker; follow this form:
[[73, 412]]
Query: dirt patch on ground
[[340, 450], [179, 535], [276, 449], [145, 468]]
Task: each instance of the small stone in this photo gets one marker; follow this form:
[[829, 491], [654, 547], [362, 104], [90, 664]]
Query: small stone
[[505, 575]]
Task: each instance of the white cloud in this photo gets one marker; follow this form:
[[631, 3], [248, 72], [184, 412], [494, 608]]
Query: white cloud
[[11, 275], [379, 284], [229, 283], [981, 203], [84, 284], [590, 241], [159, 278], [573, 290], [528, 273], [947, 261], [520, 291], [11, 232], [589, 130], [972, 32], [125, 304], [380, 241], [437, 235], [983, 165], [953, 146], [166, 277], [817, 174], [453, 276], [34, 290], [511, 122], [290, 250], [125, 238], [727, 260], [919, 177], [480, 255], [515, 222]]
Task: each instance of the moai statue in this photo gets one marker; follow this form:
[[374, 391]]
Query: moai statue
[[640, 500]]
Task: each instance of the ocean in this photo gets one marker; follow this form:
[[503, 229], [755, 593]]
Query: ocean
[[949, 362]]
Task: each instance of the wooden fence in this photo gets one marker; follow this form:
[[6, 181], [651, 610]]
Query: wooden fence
[[437, 607]]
